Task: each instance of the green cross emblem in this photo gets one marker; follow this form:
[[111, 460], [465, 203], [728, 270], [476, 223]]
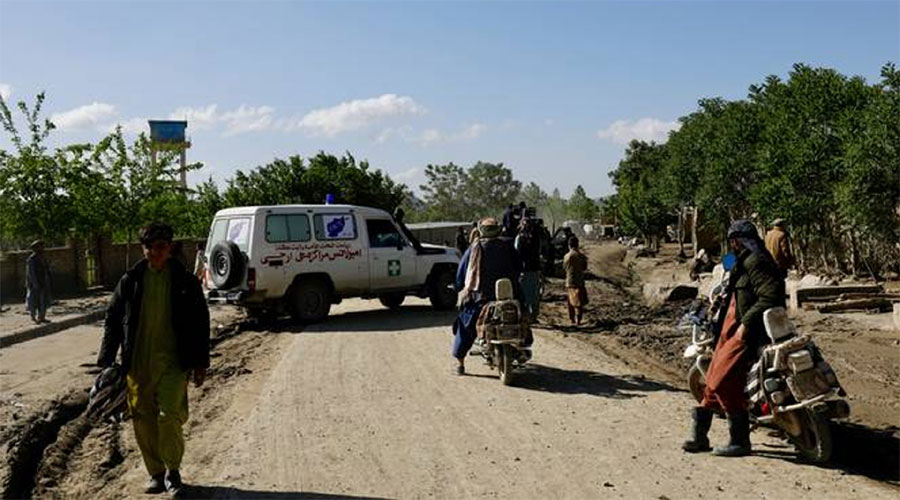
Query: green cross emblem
[[393, 268]]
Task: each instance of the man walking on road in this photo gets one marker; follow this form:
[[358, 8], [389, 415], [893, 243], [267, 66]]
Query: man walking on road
[[37, 283], [528, 245], [575, 264], [159, 318], [778, 243]]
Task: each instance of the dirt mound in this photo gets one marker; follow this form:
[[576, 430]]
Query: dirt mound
[[25, 448], [54, 451]]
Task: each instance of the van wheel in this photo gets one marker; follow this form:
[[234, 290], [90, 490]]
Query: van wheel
[[226, 265], [392, 300], [441, 291], [310, 301]]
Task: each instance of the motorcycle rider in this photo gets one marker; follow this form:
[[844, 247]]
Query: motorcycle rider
[[490, 258], [755, 285]]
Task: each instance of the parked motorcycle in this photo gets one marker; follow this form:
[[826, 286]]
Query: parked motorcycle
[[790, 386], [504, 333]]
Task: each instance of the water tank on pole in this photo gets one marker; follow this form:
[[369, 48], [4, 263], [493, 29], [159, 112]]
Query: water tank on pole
[[167, 131], [169, 134]]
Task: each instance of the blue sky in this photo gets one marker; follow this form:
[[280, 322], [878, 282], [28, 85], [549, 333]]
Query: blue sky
[[551, 89]]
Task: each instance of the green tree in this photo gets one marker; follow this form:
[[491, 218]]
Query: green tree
[[33, 199], [533, 195], [489, 188], [294, 180], [554, 210], [350, 182], [608, 207], [90, 192], [205, 203], [800, 154], [444, 193], [582, 208], [640, 184], [869, 193], [280, 182], [140, 189]]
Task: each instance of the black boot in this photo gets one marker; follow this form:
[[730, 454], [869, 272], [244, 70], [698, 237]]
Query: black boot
[[698, 441], [739, 432], [156, 484], [173, 482]]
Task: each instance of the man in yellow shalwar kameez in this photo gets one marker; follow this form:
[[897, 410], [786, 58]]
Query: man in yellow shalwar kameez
[[159, 317]]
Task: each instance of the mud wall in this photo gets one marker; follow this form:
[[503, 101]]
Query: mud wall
[[79, 265]]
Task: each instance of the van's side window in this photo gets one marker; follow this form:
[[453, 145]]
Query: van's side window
[[337, 226], [287, 228], [383, 234]]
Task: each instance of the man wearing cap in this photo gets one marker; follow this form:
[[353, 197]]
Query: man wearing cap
[[755, 285], [778, 243], [159, 318], [490, 258], [37, 283]]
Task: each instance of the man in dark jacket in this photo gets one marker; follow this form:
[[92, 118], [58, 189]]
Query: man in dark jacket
[[37, 283], [159, 318], [528, 244], [755, 285]]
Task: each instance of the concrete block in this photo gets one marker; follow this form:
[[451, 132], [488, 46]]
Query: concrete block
[[897, 316], [799, 294]]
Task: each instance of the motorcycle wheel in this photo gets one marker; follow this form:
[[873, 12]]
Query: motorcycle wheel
[[814, 440], [697, 383], [504, 365]]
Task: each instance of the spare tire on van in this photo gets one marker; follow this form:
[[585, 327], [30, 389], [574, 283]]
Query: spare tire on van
[[226, 265]]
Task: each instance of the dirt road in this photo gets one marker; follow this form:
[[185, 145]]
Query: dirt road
[[365, 405]]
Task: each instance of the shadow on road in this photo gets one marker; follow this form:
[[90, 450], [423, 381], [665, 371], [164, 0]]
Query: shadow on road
[[549, 379], [865, 451], [384, 320], [857, 450], [375, 320], [230, 492]]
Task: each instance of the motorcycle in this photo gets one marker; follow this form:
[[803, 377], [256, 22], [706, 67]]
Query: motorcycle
[[504, 333], [790, 386]]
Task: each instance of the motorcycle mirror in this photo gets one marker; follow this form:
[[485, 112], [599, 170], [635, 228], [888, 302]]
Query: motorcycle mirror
[[729, 261]]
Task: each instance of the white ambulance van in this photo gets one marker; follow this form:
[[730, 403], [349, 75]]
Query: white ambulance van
[[301, 259]]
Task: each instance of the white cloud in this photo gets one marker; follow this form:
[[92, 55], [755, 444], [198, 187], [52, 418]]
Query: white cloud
[[473, 131], [404, 133], [407, 175], [385, 135], [248, 119], [430, 136], [5, 91], [353, 115], [133, 126], [645, 129], [90, 115], [200, 118]]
